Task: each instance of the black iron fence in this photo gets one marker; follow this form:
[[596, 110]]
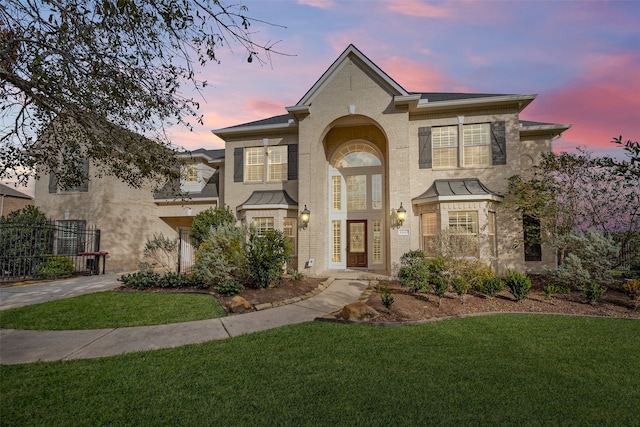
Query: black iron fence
[[25, 246]]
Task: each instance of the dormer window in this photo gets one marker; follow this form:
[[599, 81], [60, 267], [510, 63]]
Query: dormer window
[[190, 174]]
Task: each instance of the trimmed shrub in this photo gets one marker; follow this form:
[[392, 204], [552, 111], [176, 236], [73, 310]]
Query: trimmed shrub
[[174, 280], [632, 289], [385, 295], [519, 284], [414, 271], [551, 290], [55, 266], [476, 272], [440, 286], [491, 286], [207, 220], [593, 291], [143, 279], [460, 287], [229, 288], [266, 257]]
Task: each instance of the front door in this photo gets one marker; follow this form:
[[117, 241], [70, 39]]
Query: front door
[[357, 243]]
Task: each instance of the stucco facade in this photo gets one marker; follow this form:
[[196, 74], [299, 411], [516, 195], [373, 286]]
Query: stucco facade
[[354, 150]]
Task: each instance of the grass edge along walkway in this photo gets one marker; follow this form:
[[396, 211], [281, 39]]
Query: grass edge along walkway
[[502, 369], [109, 309]]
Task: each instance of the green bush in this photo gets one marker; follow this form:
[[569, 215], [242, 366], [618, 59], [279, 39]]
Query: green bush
[[55, 266], [295, 274], [206, 220], [440, 286], [266, 257], [229, 288], [160, 252], [385, 295], [143, 279], [174, 280], [460, 287], [590, 257], [491, 286], [551, 290], [519, 284], [632, 289], [634, 269], [593, 291], [414, 271], [222, 256]]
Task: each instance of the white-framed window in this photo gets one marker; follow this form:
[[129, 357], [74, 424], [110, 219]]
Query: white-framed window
[[254, 164], [445, 147], [277, 165], [429, 231], [463, 227], [356, 192], [263, 224], [274, 169], [377, 241], [476, 144], [190, 173], [336, 193], [290, 229], [336, 241]]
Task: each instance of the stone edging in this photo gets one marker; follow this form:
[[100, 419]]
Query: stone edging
[[321, 287]]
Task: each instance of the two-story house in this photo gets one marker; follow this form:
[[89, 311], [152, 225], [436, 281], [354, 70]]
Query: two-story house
[[376, 170]]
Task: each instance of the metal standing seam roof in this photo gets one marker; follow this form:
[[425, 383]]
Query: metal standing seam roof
[[268, 198], [457, 189]]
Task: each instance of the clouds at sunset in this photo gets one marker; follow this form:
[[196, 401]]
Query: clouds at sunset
[[580, 57]]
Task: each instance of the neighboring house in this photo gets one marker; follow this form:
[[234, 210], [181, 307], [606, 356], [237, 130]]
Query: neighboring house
[[12, 200], [355, 152]]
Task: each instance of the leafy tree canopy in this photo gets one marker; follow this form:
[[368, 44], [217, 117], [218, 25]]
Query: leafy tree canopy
[[101, 79]]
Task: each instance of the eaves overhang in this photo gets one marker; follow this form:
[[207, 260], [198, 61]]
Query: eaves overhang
[[290, 126], [543, 129], [520, 101]]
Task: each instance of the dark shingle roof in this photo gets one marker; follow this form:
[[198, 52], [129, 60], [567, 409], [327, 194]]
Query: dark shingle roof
[[171, 190], [8, 191], [275, 120], [217, 154]]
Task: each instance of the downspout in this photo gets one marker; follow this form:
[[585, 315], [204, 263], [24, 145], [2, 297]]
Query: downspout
[[2, 205]]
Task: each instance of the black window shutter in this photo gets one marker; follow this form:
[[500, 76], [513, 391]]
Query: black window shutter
[[53, 183], [498, 143], [85, 170], [424, 147], [238, 164], [292, 162]]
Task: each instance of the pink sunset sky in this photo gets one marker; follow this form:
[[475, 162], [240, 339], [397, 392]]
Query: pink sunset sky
[[581, 58]]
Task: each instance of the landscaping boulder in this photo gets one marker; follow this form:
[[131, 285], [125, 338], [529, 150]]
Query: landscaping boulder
[[358, 311], [238, 304]]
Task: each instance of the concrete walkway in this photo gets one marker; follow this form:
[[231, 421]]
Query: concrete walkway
[[19, 346]]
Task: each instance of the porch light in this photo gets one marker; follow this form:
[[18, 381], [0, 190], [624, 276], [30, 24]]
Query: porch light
[[304, 217], [401, 215]]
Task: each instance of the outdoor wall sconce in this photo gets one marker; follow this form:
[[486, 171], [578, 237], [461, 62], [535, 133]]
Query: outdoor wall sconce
[[399, 216], [304, 217]]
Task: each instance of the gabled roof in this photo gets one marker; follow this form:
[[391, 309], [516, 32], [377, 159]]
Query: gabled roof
[[208, 155], [353, 54], [269, 199], [10, 192], [443, 190]]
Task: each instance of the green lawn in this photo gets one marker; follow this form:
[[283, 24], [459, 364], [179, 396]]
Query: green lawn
[[493, 370], [112, 310]]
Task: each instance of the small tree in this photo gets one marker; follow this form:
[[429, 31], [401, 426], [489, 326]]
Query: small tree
[[211, 218], [414, 271], [160, 252]]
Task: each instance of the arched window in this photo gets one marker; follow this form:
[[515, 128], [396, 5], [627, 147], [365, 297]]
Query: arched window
[[356, 155]]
